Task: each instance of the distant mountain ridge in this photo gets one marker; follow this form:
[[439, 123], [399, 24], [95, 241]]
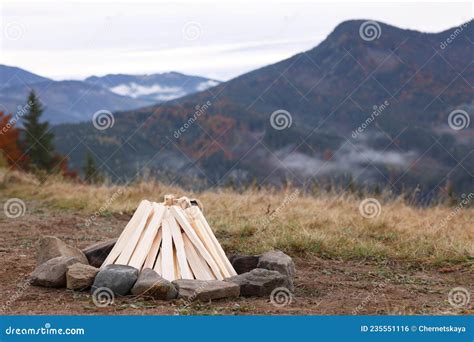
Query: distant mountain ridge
[[154, 87], [77, 101], [11, 76], [67, 101], [328, 92]]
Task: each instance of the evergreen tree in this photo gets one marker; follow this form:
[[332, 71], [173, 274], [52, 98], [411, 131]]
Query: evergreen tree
[[38, 141], [91, 172]]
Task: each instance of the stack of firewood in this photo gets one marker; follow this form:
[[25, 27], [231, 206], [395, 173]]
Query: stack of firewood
[[173, 238]]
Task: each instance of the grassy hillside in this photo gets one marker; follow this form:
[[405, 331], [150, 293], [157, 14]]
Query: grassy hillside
[[329, 225]]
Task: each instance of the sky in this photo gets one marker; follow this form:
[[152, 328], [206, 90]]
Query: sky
[[216, 39]]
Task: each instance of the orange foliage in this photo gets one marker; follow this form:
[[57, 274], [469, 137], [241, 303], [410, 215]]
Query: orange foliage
[[218, 133], [9, 136]]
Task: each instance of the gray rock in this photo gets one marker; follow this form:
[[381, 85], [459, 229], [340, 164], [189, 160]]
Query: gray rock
[[118, 278], [259, 282], [278, 261], [151, 284], [244, 263], [80, 276], [52, 273], [98, 252], [204, 290], [50, 247]]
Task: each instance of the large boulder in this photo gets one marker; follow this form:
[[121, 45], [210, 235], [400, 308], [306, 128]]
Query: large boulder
[[118, 278], [204, 290], [80, 276], [151, 284], [52, 273], [278, 261], [98, 252], [50, 247], [259, 282], [243, 263]]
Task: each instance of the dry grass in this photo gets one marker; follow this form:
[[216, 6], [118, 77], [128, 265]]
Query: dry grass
[[329, 225]]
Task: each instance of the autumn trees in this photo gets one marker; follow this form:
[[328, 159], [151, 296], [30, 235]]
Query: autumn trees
[[31, 147], [10, 152]]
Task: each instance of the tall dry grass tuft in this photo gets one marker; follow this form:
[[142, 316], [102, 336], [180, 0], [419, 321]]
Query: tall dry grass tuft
[[329, 225]]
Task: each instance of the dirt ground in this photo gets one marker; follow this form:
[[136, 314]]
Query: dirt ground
[[323, 287]]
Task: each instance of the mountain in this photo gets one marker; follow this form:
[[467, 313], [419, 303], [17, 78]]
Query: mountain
[[67, 101], [15, 76], [155, 87], [370, 110], [77, 101]]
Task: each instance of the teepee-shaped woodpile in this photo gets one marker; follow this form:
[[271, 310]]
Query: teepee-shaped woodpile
[[174, 239]]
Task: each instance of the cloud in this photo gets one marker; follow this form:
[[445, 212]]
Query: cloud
[[100, 37], [207, 84], [358, 161]]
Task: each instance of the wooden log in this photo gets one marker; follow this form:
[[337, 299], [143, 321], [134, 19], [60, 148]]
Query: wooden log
[[155, 248], [123, 239], [177, 273], [183, 202], [197, 263], [185, 272], [203, 234], [220, 250], [167, 264], [169, 199], [134, 238], [148, 236], [182, 219], [158, 265]]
